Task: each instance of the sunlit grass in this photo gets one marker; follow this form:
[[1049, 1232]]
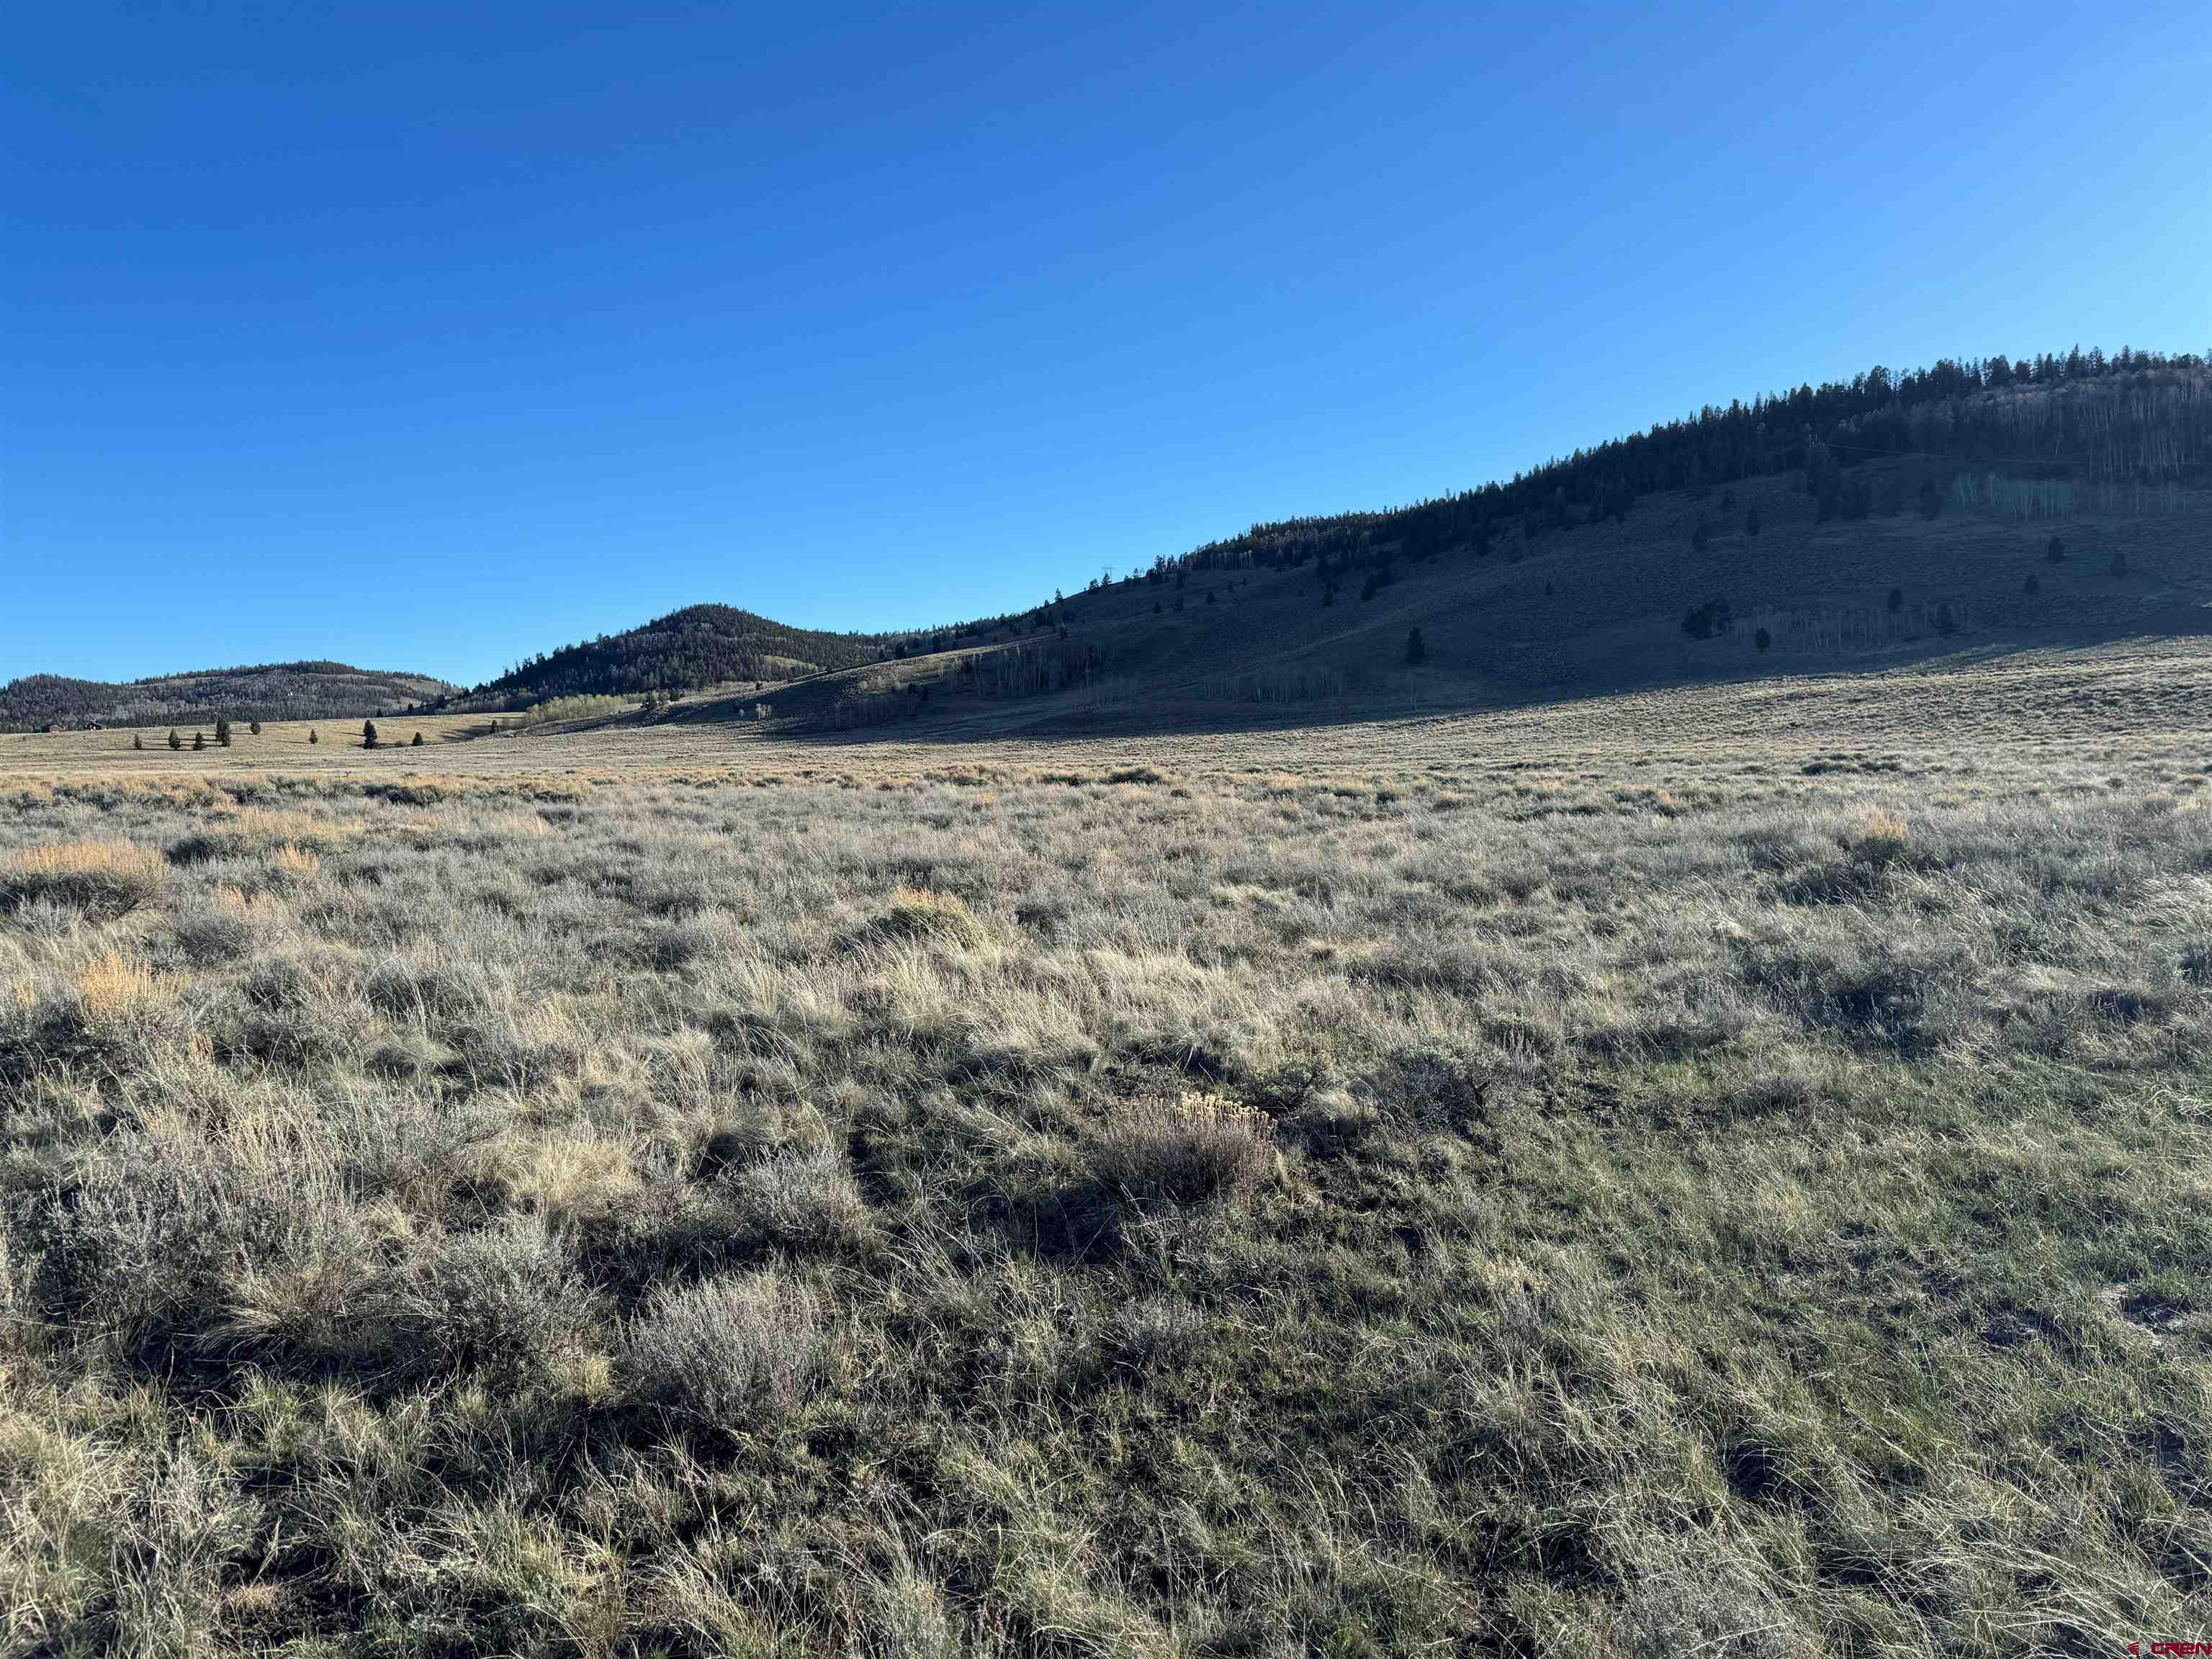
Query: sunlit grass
[[1301, 1198]]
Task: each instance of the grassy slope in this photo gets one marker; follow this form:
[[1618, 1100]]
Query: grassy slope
[[1718, 1172], [1599, 608]]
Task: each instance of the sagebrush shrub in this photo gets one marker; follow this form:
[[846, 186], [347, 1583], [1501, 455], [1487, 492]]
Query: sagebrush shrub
[[723, 1348], [804, 1201], [906, 1619], [425, 984], [1876, 989], [1157, 1330], [332, 1299], [501, 1300], [159, 1244], [1184, 1151], [212, 931]]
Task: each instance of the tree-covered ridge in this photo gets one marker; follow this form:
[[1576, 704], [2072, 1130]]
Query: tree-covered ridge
[[262, 691], [2085, 430], [699, 646], [2061, 434], [2133, 417]]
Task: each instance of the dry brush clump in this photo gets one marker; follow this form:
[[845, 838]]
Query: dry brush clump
[[1194, 1147], [917, 912], [1470, 1206], [718, 1350], [105, 880], [1883, 837]]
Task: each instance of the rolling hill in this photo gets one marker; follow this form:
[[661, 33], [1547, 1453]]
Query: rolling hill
[[1971, 505], [1982, 516], [1602, 608], [701, 645], [268, 691]]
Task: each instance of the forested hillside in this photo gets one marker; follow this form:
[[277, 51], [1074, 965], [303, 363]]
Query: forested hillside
[[2039, 437], [2100, 424], [701, 645], [1979, 506], [266, 691], [1848, 481]]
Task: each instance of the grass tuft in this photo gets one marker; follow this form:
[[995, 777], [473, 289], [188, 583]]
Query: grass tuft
[[1185, 1150], [1883, 838], [917, 912], [113, 990], [105, 880]]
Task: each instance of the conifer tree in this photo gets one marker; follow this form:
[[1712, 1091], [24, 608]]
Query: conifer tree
[[175, 742]]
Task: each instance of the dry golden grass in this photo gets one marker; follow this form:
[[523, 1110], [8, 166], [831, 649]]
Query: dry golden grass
[[918, 912], [114, 989], [568, 1178], [106, 878], [1883, 837], [81, 858], [296, 861]]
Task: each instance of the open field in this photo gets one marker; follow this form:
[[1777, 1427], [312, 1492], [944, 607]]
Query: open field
[[1720, 1171], [2009, 709]]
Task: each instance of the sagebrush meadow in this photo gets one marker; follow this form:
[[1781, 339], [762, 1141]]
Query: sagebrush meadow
[[1731, 1186], [1105, 833]]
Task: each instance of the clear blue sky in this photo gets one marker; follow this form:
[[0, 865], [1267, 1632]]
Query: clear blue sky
[[427, 336]]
